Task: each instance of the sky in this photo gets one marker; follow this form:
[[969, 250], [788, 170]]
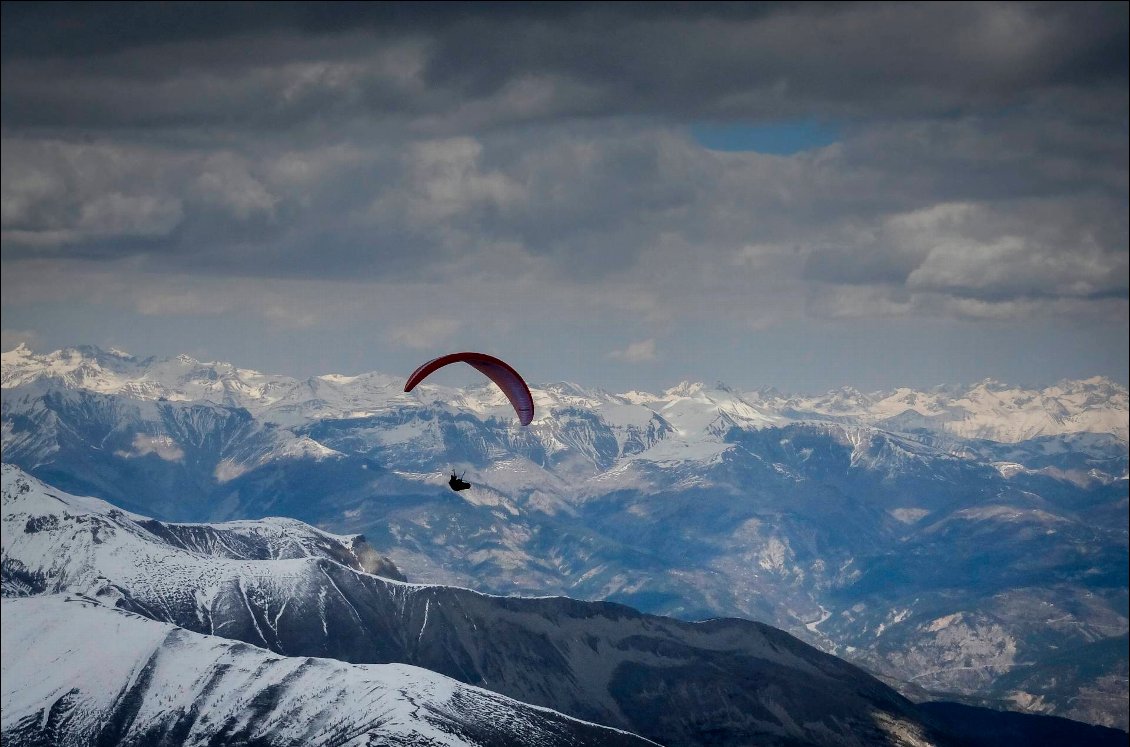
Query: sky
[[620, 195]]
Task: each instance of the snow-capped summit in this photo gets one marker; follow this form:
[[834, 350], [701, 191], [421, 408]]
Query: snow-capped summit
[[85, 366], [181, 378], [989, 409]]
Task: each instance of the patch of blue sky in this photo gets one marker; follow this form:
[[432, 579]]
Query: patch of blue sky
[[775, 138]]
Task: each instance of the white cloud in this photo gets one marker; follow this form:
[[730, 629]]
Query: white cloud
[[309, 169], [1012, 266], [975, 309], [121, 215], [13, 338], [446, 180], [425, 333], [156, 301], [636, 352], [59, 194], [226, 181], [763, 256]]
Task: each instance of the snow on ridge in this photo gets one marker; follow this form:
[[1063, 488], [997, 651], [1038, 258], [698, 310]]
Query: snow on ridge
[[75, 543], [132, 547], [48, 656], [181, 378], [988, 409], [32, 495], [1002, 513], [46, 499]]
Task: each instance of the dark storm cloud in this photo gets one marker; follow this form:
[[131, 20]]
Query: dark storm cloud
[[172, 63], [982, 159], [64, 29]]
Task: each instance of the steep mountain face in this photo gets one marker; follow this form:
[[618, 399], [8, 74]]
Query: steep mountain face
[[871, 525], [77, 673], [724, 681]]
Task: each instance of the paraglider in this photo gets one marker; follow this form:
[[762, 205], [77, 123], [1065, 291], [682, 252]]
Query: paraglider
[[498, 371]]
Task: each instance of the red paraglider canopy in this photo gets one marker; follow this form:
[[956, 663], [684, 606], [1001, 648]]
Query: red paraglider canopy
[[500, 372]]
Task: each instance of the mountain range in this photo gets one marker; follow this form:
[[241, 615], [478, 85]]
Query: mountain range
[[959, 542], [122, 629]]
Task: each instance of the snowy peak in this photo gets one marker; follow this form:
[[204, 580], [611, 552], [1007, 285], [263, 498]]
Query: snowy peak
[[684, 389], [986, 410], [84, 367], [848, 400], [182, 378], [101, 536]]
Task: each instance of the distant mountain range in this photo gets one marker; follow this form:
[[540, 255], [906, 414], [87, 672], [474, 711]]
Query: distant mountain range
[[987, 410], [950, 541], [120, 628]]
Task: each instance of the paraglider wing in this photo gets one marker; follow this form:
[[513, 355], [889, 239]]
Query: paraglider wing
[[500, 372]]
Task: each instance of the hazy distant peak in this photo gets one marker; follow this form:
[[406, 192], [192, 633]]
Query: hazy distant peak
[[989, 409], [685, 389]]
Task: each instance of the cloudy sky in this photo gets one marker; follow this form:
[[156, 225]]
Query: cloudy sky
[[796, 195]]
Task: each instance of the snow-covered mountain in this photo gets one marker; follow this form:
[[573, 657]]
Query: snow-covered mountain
[[987, 410], [602, 662], [76, 672], [879, 533], [34, 515], [123, 629]]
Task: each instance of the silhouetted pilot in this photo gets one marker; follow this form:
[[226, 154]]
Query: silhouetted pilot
[[457, 484]]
